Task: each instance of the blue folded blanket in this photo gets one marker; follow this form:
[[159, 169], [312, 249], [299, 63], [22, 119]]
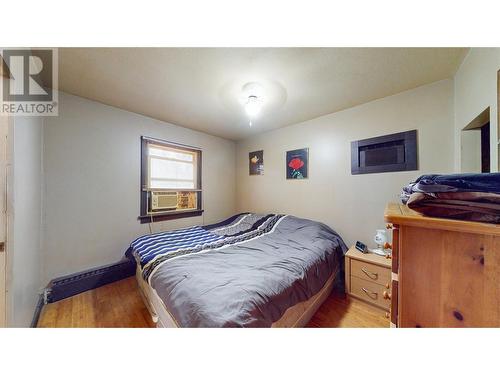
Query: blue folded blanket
[[448, 183], [474, 197]]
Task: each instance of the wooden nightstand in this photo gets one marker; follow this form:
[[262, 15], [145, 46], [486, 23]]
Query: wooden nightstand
[[368, 278]]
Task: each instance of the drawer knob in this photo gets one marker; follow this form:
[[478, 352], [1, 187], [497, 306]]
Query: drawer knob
[[386, 295], [371, 275], [387, 286]]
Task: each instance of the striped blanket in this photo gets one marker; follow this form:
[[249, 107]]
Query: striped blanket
[[151, 251]]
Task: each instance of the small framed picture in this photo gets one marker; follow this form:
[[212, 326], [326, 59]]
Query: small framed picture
[[297, 164], [256, 163]]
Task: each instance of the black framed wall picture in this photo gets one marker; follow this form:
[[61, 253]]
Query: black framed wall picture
[[256, 163], [297, 164]]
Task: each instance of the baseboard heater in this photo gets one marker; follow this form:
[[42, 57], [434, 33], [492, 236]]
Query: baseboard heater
[[70, 285]]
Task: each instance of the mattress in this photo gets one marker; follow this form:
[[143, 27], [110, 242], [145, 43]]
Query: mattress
[[295, 316], [244, 272]]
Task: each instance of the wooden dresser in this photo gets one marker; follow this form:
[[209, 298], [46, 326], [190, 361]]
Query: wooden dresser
[[445, 273], [368, 278]]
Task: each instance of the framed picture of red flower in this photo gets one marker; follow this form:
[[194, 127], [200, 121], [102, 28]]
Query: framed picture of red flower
[[297, 164]]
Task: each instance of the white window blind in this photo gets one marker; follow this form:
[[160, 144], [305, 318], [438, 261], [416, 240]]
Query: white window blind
[[171, 168]]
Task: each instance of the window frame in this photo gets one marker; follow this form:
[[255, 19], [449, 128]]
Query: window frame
[[146, 216]]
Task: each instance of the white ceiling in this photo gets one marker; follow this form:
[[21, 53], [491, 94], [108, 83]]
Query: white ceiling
[[200, 88]]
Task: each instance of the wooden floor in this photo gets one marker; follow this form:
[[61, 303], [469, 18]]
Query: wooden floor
[[114, 305], [340, 311], [120, 305]]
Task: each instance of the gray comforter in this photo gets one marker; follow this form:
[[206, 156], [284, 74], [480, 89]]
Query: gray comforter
[[250, 284]]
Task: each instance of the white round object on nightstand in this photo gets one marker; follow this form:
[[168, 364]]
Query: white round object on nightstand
[[380, 238]]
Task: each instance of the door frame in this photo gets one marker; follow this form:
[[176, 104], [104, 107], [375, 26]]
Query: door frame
[[4, 126]]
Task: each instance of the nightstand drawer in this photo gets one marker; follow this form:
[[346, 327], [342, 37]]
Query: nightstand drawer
[[371, 272], [370, 292]]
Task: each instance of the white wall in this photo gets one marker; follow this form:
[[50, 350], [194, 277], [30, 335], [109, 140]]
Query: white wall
[[92, 182], [24, 254], [470, 160], [476, 90], [351, 204]]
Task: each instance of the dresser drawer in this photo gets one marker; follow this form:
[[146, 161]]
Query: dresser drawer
[[371, 272], [370, 292]]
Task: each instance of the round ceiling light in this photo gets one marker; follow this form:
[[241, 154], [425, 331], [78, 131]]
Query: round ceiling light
[[236, 97], [252, 99], [253, 106]]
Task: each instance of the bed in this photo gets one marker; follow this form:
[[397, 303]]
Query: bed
[[248, 271]]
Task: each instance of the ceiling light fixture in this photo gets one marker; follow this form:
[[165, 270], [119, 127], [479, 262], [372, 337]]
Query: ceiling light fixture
[[252, 100], [253, 106]]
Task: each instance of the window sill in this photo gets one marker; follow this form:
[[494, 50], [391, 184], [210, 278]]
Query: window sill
[[162, 216]]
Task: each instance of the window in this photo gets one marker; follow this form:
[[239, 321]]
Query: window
[[171, 180]]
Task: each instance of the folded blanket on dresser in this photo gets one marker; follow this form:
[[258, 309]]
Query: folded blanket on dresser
[[474, 197]]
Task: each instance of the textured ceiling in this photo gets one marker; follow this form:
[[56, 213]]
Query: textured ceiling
[[200, 88]]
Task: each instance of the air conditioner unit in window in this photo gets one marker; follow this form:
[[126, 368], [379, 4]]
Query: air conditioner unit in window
[[163, 200]]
